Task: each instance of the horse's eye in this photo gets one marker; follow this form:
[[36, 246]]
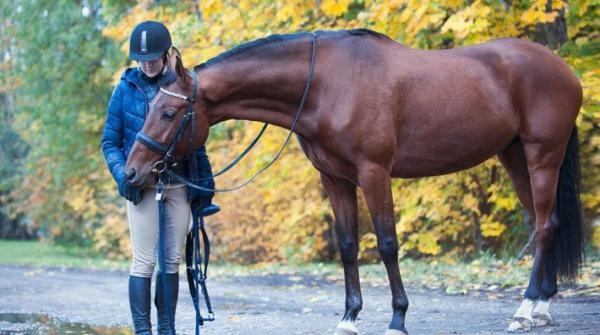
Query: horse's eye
[[169, 116]]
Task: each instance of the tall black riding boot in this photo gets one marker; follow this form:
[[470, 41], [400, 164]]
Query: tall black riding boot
[[166, 313], [139, 303]]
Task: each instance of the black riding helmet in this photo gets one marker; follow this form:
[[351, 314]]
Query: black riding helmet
[[149, 41]]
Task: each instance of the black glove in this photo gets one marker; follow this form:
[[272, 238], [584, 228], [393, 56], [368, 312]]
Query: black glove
[[201, 176], [130, 192]]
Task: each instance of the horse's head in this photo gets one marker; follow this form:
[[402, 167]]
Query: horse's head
[[174, 111]]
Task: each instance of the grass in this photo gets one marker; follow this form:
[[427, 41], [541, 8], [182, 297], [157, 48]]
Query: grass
[[40, 254], [485, 273]]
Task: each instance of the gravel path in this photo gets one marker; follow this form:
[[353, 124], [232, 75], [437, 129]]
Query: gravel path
[[269, 305]]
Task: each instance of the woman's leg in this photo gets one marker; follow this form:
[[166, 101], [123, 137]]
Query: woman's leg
[[143, 230]]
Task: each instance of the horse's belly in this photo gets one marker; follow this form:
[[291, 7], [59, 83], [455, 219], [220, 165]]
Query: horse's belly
[[414, 167], [451, 147]]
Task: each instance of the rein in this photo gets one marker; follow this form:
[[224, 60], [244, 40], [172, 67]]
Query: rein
[[309, 78]]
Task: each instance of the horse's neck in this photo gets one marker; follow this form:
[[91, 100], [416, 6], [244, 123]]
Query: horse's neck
[[265, 90]]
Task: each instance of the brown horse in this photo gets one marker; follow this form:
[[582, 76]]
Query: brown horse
[[378, 110]]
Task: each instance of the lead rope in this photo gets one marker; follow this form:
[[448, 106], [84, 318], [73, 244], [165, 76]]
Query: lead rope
[[162, 258], [195, 274]]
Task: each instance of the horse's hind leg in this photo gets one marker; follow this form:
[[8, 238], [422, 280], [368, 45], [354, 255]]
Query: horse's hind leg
[[342, 195], [376, 184], [514, 161], [543, 160]]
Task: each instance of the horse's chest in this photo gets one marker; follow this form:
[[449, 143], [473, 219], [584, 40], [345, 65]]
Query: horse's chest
[[327, 161]]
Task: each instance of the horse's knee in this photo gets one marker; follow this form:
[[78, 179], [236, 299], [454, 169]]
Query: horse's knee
[[388, 248], [348, 250]]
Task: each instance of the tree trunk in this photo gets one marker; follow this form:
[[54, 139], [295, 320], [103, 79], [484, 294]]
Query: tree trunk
[[553, 34]]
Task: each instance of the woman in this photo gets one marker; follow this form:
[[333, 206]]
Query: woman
[[149, 45]]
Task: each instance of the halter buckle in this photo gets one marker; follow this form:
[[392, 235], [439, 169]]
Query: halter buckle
[[159, 167]]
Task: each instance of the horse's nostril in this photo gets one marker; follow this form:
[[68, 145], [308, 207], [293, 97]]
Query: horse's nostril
[[130, 174]]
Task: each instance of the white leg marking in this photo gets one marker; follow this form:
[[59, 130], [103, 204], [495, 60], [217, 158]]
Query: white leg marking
[[346, 328], [541, 313], [523, 317], [525, 310]]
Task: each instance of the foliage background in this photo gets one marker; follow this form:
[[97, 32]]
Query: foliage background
[[60, 59]]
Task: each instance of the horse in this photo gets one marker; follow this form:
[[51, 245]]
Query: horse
[[373, 110]]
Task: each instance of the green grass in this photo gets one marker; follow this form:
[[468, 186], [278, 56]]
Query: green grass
[[40, 254]]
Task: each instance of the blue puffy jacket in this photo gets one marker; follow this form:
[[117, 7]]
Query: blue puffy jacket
[[127, 111]]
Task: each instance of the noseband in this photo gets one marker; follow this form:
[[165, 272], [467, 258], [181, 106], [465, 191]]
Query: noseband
[[167, 150]]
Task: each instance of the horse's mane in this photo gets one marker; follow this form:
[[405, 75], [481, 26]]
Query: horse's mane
[[277, 38], [167, 78]]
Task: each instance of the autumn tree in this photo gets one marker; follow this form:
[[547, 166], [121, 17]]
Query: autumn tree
[[66, 56]]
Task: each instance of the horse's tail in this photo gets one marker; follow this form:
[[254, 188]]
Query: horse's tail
[[567, 250]]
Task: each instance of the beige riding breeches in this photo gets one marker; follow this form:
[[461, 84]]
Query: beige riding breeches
[[143, 227]]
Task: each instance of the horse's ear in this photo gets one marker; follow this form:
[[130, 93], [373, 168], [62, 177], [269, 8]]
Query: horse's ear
[[177, 64]]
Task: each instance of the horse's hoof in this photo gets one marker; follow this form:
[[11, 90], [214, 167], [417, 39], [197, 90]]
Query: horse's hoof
[[346, 328], [519, 326], [541, 320], [395, 332], [342, 331], [541, 314]]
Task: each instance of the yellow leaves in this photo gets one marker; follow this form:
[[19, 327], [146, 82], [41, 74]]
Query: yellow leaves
[[452, 4], [368, 246], [210, 8], [334, 8], [591, 85], [533, 16], [491, 228], [293, 13], [139, 13], [110, 237], [537, 12], [470, 20], [428, 244], [471, 203], [596, 235]]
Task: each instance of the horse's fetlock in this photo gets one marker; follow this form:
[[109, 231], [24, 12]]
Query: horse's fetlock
[[400, 304], [354, 305]]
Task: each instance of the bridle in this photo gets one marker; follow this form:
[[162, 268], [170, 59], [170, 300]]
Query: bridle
[[188, 118]]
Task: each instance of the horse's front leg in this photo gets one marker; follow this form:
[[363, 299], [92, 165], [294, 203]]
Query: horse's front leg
[[342, 195], [375, 181]]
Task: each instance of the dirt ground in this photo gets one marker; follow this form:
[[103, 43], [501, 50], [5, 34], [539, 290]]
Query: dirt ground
[[57, 301]]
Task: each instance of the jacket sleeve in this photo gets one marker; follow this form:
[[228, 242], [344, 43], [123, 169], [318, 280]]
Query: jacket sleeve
[[204, 171], [112, 137]]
